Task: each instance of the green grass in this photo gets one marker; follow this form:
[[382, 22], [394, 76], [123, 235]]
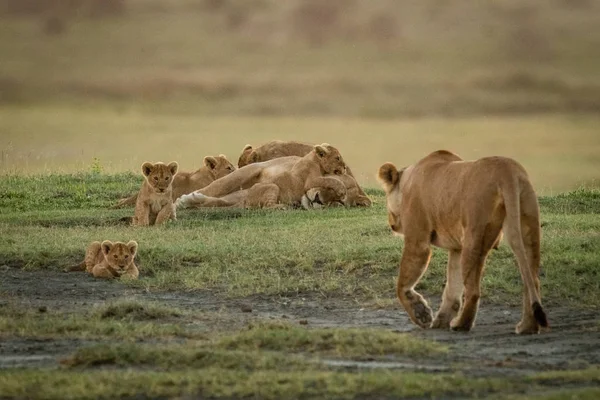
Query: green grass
[[335, 342], [266, 384], [126, 320], [245, 252]]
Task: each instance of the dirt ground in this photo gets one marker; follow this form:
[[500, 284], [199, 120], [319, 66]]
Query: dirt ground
[[490, 349]]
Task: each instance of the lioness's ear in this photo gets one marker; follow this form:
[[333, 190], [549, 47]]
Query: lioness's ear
[[210, 162], [253, 158], [147, 168], [247, 147], [173, 167], [106, 246], [321, 150], [132, 246], [388, 176]]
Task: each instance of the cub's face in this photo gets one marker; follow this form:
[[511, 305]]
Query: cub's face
[[119, 255], [220, 165], [330, 159], [159, 175], [246, 156]]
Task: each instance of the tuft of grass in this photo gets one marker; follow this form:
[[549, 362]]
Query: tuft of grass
[[335, 342], [169, 357], [127, 321], [131, 310]]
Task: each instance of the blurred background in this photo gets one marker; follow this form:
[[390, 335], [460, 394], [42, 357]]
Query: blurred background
[[107, 84]]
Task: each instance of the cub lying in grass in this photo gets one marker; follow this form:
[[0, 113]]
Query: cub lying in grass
[[154, 204], [109, 260]]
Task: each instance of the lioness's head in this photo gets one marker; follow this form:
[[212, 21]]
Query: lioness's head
[[248, 156], [219, 166], [322, 197], [119, 255], [389, 177], [330, 159], [159, 175]]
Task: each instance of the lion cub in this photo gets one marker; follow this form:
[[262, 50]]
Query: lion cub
[[154, 204], [109, 260]]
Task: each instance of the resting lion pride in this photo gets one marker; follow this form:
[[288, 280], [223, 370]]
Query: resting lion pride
[[279, 181], [463, 207]]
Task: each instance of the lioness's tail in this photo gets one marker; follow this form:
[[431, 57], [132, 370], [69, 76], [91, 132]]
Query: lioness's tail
[[78, 267], [129, 201], [522, 211]]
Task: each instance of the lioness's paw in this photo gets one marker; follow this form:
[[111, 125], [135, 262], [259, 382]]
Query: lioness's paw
[[458, 325], [422, 313]]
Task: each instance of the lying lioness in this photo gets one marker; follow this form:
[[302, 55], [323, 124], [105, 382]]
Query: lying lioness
[[258, 197], [186, 182], [282, 181], [277, 149], [463, 206], [272, 150]]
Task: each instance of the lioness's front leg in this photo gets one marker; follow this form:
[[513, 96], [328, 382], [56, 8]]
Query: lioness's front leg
[[165, 213], [452, 297], [415, 259]]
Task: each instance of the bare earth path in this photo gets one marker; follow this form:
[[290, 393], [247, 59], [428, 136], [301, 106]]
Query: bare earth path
[[491, 349]]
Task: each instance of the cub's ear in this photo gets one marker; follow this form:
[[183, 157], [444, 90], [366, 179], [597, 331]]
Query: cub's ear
[[106, 246], [388, 176], [223, 156], [132, 246], [147, 168], [210, 162], [247, 148], [253, 158], [321, 150], [173, 167]]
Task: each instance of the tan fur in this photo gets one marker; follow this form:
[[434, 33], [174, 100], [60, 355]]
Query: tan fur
[[272, 150], [154, 204], [326, 196], [279, 148], [463, 206], [187, 182], [279, 181], [110, 260]]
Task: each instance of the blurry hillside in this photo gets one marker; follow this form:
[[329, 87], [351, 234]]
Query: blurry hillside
[[378, 58]]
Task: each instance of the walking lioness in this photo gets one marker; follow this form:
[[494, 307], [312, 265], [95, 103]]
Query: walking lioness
[[463, 206]]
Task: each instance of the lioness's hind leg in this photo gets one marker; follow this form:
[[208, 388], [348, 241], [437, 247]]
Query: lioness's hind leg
[[477, 245], [415, 259], [452, 297], [264, 195], [531, 240]]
